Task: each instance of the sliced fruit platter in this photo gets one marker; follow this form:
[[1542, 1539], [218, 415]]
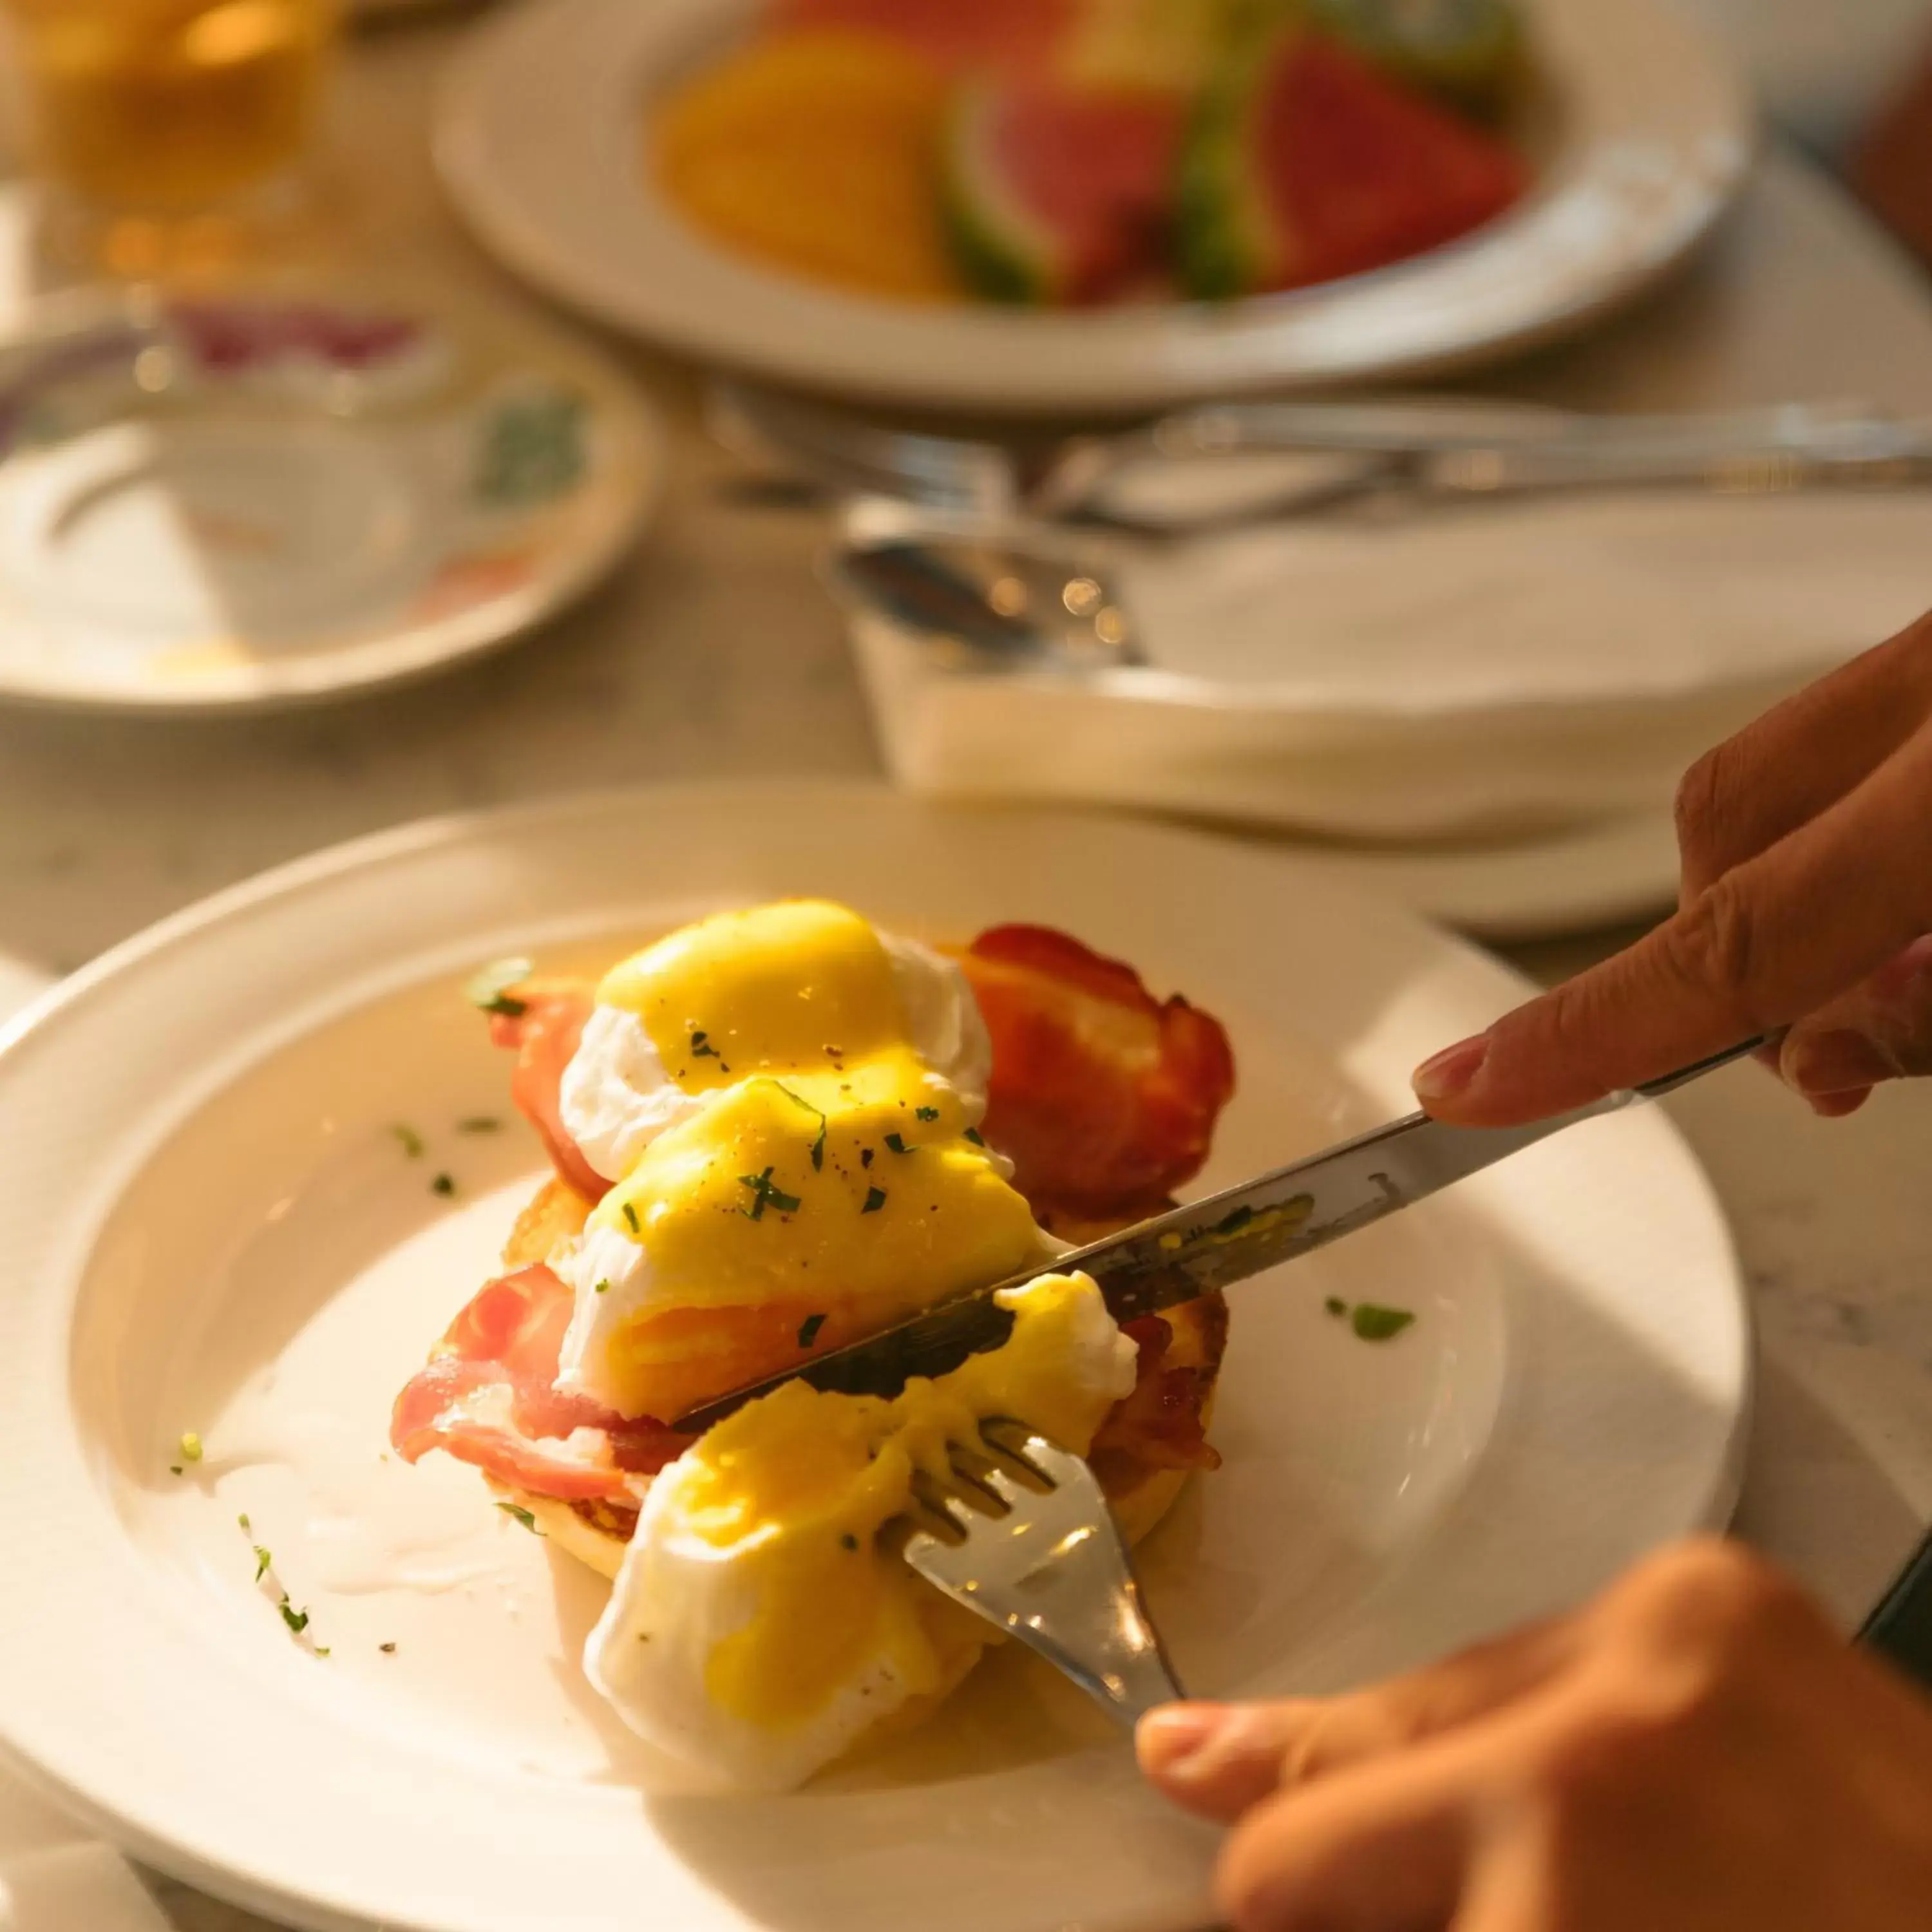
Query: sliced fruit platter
[[1062, 153]]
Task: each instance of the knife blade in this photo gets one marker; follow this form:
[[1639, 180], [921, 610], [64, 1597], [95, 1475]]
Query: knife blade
[[1203, 1245]]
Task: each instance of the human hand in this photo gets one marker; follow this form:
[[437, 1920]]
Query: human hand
[[1806, 902], [1697, 1750]]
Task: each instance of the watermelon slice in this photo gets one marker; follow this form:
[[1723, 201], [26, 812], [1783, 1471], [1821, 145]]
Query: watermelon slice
[[1470, 53], [1055, 194], [1303, 163], [1009, 37]]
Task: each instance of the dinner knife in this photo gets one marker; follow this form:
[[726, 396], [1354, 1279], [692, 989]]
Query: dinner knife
[[1204, 1244]]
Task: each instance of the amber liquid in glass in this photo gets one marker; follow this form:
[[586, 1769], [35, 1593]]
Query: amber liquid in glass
[[170, 107]]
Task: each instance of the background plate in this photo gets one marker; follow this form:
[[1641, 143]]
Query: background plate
[[266, 493], [213, 1226], [541, 142]]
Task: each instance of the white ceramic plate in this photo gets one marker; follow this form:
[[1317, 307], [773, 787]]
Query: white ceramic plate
[[541, 141], [262, 495], [212, 1226], [1577, 878]]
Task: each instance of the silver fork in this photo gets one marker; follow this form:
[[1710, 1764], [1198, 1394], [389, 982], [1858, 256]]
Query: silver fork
[[1020, 1534]]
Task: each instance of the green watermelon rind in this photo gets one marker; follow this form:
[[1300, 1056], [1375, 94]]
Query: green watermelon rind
[[1223, 245], [1482, 79], [1001, 254]]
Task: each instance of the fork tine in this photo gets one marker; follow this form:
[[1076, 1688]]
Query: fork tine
[[979, 1480], [1050, 1569]]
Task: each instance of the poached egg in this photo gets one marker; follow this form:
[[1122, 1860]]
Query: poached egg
[[758, 1627], [786, 1102]]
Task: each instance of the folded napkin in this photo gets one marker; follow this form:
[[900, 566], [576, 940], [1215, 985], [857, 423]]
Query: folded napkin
[[1552, 600], [1491, 670]]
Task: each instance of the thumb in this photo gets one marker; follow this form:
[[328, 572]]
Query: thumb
[[1219, 1760]]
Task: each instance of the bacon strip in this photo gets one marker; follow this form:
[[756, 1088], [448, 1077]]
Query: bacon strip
[[487, 1397], [1104, 1098], [544, 1036], [1161, 1424]]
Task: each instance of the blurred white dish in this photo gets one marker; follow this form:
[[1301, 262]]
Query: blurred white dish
[[265, 494], [213, 1226], [541, 142]]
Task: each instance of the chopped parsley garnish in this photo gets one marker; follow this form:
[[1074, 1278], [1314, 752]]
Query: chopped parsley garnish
[[897, 1143], [387, 1649], [247, 1526], [926, 1113], [1336, 1305], [808, 1329], [631, 1217], [1375, 1323], [411, 1142], [521, 1514], [865, 1157], [818, 1145], [321, 1650], [701, 1047], [262, 1562], [296, 1620], [875, 1199], [479, 1123], [764, 1194], [973, 1135], [1234, 1221], [190, 1447], [175, 1469], [848, 1541], [490, 987], [444, 1184], [602, 1288]]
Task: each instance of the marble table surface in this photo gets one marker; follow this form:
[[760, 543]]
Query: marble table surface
[[712, 652]]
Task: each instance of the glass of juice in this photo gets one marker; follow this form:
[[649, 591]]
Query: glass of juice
[[169, 129]]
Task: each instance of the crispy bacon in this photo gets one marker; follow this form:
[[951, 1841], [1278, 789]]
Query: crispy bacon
[[488, 1397], [1105, 1099], [1162, 1424], [544, 1036]]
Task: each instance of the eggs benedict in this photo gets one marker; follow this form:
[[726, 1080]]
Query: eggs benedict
[[774, 1131]]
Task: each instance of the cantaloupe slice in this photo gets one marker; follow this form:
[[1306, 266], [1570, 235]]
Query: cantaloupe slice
[[816, 152]]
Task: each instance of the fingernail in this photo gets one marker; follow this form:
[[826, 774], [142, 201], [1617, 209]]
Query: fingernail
[[1835, 1062], [1452, 1071], [1166, 1738]]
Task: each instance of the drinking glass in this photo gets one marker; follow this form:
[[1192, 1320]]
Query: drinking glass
[[166, 128]]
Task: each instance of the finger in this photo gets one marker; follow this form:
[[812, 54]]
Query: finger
[[1773, 940], [1881, 1031], [1221, 1760], [1801, 757], [1382, 1849]]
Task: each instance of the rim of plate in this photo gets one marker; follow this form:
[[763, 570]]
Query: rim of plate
[[1602, 872], [118, 1753], [637, 473], [1658, 130]]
